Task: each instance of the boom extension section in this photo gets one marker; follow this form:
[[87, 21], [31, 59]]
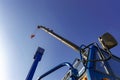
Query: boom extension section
[[63, 40]]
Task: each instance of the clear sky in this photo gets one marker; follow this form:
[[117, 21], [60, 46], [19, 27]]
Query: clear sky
[[80, 21]]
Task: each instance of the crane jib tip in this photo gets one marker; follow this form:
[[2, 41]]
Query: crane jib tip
[[38, 27]]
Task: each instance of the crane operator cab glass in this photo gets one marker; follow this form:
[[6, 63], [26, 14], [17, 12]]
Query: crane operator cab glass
[[99, 63]]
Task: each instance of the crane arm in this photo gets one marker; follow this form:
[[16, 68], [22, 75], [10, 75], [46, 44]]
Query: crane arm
[[63, 40]]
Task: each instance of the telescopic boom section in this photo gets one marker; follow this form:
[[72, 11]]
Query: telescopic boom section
[[63, 40]]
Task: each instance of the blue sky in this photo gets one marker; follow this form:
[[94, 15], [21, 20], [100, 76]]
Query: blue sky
[[80, 21]]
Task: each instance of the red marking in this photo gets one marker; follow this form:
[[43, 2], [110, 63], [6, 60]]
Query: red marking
[[32, 36]]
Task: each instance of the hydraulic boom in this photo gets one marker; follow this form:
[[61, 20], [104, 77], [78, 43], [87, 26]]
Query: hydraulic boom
[[63, 40]]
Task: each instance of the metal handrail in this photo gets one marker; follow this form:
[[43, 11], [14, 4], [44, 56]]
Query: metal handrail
[[73, 70]]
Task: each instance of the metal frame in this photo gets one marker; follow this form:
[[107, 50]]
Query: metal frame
[[37, 58], [74, 72]]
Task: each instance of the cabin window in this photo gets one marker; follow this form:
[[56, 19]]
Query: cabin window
[[108, 67], [115, 65], [100, 64]]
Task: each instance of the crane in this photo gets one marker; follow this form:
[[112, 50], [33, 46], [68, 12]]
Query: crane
[[95, 63]]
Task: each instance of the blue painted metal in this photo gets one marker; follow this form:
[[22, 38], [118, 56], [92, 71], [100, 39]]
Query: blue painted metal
[[91, 71], [73, 71], [91, 68], [37, 58], [91, 56], [90, 64]]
